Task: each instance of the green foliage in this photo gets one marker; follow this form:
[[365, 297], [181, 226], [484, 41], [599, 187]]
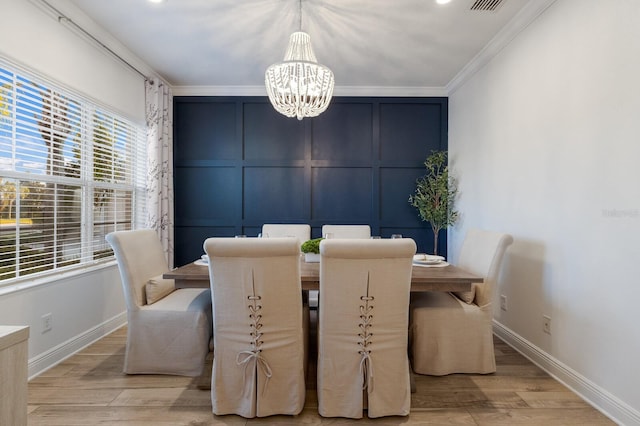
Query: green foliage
[[38, 260], [435, 194], [311, 246], [8, 194], [5, 95]]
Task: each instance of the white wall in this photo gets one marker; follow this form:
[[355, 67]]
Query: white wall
[[37, 40], [545, 140], [86, 306], [83, 308]]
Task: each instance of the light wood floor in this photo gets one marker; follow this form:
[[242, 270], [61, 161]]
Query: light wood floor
[[90, 389]]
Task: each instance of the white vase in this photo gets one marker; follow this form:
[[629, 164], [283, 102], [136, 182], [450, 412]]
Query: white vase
[[312, 257]]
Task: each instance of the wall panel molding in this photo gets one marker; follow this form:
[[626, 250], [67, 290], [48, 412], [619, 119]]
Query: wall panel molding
[[239, 164]]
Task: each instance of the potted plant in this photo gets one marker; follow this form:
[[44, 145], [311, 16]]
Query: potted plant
[[435, 195], [311, 250]]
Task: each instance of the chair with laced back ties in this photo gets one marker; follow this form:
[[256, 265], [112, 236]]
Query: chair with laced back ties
[[258, 322], [363, 326]]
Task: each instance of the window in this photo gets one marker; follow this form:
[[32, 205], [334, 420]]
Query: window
[[71, 171]]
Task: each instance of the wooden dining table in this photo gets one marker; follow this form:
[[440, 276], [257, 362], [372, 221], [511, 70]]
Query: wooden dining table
[[434, 278], [423, 278]]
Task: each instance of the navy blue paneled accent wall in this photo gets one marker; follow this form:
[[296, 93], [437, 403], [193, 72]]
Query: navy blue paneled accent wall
[[238, 164]]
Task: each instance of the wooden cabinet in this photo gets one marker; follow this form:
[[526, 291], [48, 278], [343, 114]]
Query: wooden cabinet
[[13, 375]]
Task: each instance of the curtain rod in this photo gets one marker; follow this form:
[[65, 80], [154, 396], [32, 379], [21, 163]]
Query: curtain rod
[[62, 18]]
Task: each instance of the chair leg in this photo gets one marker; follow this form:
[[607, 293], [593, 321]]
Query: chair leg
[[412, 379], [204, 380]]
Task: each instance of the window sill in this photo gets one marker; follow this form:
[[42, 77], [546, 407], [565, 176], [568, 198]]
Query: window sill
[[27, 282]]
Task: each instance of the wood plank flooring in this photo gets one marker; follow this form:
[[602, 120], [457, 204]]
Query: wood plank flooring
[[90, 389]]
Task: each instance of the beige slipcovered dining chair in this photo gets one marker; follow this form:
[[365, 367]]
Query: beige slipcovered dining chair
[[283, 230], [168, 329], [452, 332], [300, 231], [259, 351], [363, 325], [347, 231]]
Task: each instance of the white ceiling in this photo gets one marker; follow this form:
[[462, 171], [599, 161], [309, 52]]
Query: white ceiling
[[367, 43]]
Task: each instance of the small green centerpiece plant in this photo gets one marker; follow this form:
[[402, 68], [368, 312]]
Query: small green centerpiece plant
[[311, 246], [435, 195], [311, 250]]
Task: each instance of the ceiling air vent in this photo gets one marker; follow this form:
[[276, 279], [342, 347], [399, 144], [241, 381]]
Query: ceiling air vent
[[486, 5]]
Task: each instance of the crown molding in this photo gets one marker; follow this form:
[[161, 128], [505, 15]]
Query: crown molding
[[526, 16], [389, 91], [83, 26], [219, 91], [338, 91]]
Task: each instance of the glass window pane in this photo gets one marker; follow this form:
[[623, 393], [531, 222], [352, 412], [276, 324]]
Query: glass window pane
[[67, 171]]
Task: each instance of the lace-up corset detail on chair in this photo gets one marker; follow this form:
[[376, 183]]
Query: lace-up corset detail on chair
[[365, 335], [363, 316], [259, 347], [255, 353]]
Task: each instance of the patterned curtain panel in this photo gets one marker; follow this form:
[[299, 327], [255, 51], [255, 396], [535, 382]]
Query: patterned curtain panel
[[159, 117]]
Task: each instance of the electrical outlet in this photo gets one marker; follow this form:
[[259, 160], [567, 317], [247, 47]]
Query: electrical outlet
[[47, 322], [503, 302], [546, 324]]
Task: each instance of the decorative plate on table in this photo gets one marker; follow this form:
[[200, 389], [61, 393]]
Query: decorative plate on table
[[427, 259], [203, 261]]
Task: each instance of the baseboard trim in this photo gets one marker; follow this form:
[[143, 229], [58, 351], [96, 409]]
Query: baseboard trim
[[44, 361], [609, 405]]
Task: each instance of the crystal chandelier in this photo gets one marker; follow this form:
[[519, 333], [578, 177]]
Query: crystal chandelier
[[299, 86]]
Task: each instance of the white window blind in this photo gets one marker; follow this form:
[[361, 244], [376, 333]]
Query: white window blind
[[71, 171]]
